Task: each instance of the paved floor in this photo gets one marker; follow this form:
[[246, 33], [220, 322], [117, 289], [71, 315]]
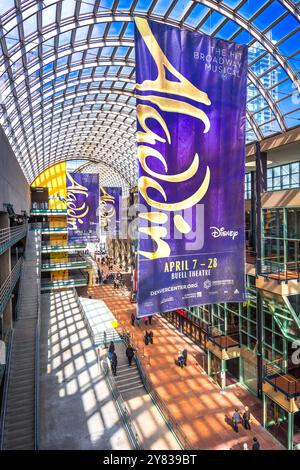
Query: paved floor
[[76, 409], [192, 399]]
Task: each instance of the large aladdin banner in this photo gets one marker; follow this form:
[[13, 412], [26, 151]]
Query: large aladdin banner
[[110, 209], [82, 207], [191, 116]]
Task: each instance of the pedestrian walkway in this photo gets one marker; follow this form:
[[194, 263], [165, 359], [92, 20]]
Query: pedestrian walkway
[[192, 399], [77, 411]]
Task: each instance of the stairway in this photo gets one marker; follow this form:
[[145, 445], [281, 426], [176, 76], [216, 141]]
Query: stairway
[[128, 380], [19, 425]]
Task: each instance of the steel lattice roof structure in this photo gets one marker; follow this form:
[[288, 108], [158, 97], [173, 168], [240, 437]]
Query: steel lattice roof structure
[[67, 73]]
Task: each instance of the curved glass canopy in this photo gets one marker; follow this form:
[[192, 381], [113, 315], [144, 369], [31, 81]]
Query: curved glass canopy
[[67, 72]]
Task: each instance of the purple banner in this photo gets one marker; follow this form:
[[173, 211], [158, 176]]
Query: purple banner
[[191, 116], [110, 209], [82, 207]]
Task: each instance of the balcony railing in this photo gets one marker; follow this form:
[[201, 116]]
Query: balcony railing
[[8, 285], [10, 236], [80, 279], [48, 247], [72, 262], [46, 227], [281, 377], [280, 271], [222, 340], [50, 212]]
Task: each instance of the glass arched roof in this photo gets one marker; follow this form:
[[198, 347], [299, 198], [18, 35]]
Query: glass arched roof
[[67, 72], [108, 176]]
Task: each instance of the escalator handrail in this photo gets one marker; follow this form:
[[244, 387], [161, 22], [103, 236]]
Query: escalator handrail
[[5, 387]]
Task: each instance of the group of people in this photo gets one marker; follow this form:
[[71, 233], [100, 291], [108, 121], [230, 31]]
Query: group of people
[[244, 418], [118, 280], [115, 278], [137, 320], [181, 360], [112, 355], [148, 337]]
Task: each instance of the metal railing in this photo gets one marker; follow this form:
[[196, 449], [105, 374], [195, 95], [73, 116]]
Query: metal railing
[[140, 358], [172, 424], [48, 246], [72, 261], [77, 279], [279, 375], [5, 385], [121, 408], [11, 235], [280, 271], [37, 359], [48, 211], [224, 341], [49, 227], [8, 285]]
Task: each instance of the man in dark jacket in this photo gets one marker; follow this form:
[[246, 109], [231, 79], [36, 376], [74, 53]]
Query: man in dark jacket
[[185, 355], [130, 354], [247, 418], [236, 419], [114, 363], [256, 444]]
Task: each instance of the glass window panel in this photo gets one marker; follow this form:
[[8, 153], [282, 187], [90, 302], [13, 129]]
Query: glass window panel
[[6, 5], [81, 33], [98, 30], [68, 8], [293, 119], [143, 5], [180, 9], [29, 25], [291, 45], [48, 15], [162, 6], [269, 15], [228, 30], [115, 28]]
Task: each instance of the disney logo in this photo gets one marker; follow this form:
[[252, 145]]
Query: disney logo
[[221, 232]]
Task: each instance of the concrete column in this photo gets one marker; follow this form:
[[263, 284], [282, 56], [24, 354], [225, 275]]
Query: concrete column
[[7, 321], [290, 431], [264, 400], [209, 363], [223, 374], [5, 270]]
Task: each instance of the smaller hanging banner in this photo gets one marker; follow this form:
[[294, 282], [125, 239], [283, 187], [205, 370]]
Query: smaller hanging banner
[[110, 209], [82, 207]]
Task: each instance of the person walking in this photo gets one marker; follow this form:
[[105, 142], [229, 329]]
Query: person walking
[[151, 336], [130, 354], [180, 359], [146, 338], [132, 319], [114, 363], [256, 444], [138, 321], [150, 319], [236, 419], [247, 418], [185, 355], [111, 350]]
